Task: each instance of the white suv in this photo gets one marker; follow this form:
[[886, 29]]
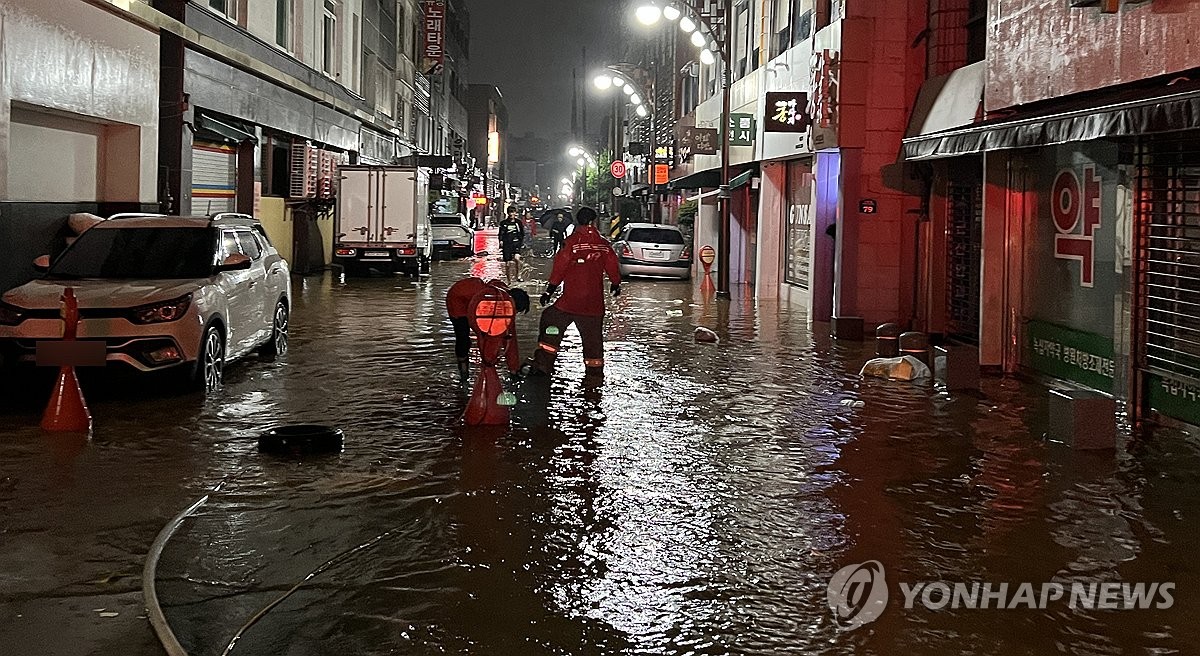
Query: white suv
[[162, 292]]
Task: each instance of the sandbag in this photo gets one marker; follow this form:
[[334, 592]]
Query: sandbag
[[902, 368], [706, 336]]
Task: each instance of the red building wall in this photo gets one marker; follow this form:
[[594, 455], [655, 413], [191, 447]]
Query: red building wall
[[1039, 49], [881, 73]]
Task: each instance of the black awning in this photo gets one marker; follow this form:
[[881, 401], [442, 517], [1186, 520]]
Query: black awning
[[708, 178], [711, 178], [224, 129], [1127, 113]]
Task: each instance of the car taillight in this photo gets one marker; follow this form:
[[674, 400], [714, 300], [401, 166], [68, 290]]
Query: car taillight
[[406, 251], [626, 251], [162, 312], [10, 315], [686, 254], [345, 252]]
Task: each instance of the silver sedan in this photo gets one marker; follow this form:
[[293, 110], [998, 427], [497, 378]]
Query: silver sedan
[[648, 249]]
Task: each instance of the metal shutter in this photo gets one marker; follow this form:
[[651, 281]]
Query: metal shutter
[[214, 177], [1168, 281]]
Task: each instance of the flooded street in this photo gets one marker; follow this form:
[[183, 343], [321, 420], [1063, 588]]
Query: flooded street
[[695, 503]]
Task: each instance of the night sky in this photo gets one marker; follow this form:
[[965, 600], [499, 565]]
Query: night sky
[[529, 47]]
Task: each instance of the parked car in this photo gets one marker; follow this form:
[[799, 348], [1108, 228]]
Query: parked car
[[453, 242], [163, 293], [450, 220], [649, 249]]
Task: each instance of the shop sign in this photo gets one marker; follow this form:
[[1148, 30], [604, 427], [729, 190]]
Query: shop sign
[[697, 141], [824, 82], [1075, 208], [786, 112], [434, 51], [741, 130], [1175, 398], [662, 174], [1085, 358]]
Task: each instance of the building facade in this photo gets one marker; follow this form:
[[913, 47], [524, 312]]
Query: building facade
[[1088, 176], [79, 122]]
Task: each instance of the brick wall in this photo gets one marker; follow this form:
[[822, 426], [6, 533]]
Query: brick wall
[[947, 36]]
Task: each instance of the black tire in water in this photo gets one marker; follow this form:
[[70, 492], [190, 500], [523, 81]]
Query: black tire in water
[[301, 439]]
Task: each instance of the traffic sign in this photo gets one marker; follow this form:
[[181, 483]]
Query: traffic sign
[[708, 255], [617, 169]]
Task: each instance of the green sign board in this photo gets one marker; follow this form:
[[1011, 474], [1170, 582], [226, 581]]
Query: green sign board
[[1175, 398], [1085, 358], [742, 129]]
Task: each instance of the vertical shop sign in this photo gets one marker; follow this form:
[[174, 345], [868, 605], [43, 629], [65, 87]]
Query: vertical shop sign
[[434, 52]]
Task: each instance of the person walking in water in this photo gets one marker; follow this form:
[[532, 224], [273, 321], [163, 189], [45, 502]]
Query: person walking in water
[[579, 268], [458, 303], [512, 239], [558, 233]]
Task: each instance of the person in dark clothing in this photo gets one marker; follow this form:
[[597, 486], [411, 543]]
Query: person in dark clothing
[[558, 233], [580, 268], [512, 239], [458, 302]]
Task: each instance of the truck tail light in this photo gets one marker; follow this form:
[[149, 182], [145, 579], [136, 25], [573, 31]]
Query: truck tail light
[[345, 252], [406, 251]]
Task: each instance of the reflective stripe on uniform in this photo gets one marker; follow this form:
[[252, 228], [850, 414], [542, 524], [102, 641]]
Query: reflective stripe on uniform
[[546, 347], [593, 362]]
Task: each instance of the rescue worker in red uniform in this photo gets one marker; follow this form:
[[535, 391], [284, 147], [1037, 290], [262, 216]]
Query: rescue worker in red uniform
[[458, 301], [580, 267]]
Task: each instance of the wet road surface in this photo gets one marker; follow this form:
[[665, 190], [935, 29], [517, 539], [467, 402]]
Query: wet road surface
[[696, 502]]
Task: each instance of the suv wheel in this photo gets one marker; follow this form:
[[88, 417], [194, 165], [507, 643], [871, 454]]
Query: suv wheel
[[210, 367], [278, 344]]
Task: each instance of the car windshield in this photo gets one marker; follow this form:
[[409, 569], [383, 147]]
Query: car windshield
[[138, 253], [449, 232], [655, 236]]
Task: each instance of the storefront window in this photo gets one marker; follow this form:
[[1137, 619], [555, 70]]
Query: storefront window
[[1073, 276], [798, 233]]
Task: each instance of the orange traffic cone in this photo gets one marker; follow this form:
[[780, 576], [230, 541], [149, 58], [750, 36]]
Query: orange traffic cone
[[484, 408], [67, 412]]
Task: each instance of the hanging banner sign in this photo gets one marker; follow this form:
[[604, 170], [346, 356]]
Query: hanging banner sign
[[434, 51]]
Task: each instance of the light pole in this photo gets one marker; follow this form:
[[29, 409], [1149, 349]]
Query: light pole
[[630, 79], [697, 25], [583, 159]]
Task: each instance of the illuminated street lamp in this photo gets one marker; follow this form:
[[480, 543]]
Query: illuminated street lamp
[[626, 77], [711, 42], [583, 158]]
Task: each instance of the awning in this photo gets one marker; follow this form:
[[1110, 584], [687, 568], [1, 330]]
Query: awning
[[711, 178], [1126, 113], [948, 101], [226, 129], [741, 179]]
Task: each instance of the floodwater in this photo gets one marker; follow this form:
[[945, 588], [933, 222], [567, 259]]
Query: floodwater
[[695, 502]]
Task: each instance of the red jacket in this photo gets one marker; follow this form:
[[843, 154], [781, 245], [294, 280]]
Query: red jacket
[[458, 305], [580, 267]]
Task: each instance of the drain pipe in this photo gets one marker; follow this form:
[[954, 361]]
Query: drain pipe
[[158, 621]]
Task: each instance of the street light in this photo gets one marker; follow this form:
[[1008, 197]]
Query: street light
[[603, 82], [630, 79], [649, 14], [690, 22]]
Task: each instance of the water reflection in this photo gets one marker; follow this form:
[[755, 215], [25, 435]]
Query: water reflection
[[695, 500]]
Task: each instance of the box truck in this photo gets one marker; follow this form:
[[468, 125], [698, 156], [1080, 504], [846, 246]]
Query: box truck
[[382, 220]]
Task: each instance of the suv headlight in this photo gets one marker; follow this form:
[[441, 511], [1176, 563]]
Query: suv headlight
[[10, 315], [162, 312]]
